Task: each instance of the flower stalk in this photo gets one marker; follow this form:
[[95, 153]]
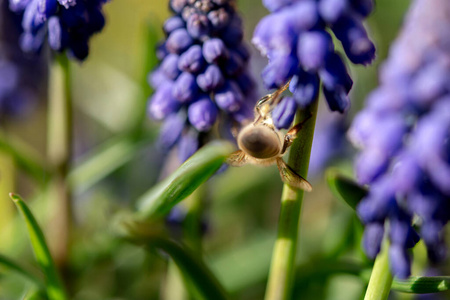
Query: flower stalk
[[281, 274], [59, 145], [381, 278]]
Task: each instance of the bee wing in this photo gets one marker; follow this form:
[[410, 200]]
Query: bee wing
[[289, 176], [237, 159]]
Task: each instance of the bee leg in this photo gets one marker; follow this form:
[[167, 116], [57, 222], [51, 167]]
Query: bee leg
[[292, 134]]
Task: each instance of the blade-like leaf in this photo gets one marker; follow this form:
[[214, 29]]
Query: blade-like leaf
[[19, 269], [35, 295], [103, 161], [422, 285], [193, 269], [26, 157], [54, 287], [344, 188], [159, 200]]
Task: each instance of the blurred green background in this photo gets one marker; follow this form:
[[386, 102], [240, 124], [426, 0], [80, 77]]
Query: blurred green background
[[241, 205]]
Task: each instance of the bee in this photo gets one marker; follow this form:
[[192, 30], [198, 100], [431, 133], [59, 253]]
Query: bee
[[260, 143]]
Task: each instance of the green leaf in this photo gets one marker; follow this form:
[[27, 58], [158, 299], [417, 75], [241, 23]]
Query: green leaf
[[193, 269], [422, 285], [54, 287], [35, 295], [159, 200], [25, 157], [103, 161], [344, 188], [19, 269]]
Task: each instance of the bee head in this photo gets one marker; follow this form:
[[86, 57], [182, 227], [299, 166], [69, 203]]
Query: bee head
[[259, 141]]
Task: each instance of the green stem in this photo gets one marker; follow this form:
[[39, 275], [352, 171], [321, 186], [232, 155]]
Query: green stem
[[60, 139], [381, 279], [192, 236], [283, 258]]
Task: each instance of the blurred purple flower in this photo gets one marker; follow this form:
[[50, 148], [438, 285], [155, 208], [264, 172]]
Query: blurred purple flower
[[22, 78], [329, 141], [204, 65], [294, 37], [68, 24], [404, 134]]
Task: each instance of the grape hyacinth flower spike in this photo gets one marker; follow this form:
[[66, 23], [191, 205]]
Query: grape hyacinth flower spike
[[403, 134], [202, 75], [296, 41], [67, 24], [21, 78]]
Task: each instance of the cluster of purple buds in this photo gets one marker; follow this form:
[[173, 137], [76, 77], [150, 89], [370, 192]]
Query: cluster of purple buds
[[68, 24], [21, 78], [296, 41], [202, 75], [404, 134]]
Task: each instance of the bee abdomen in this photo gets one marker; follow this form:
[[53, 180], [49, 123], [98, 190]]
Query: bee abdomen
[[259, 142]]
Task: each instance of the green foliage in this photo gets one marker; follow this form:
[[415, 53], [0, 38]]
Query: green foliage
[[194, 270], [54, 287], [17, 267], [344, 188], [160, 199], [422, 285]]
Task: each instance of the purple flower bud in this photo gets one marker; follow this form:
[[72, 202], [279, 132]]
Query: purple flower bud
[[185, 87], [274, 5], [192, 60], [162, 103], [214, 50], [370, 164], [379, 203], [363, 7], [373, 236], [57, 38], [278, 71], [33, 20], [283, 114], [304, 87], [276, 33], [178, 5], [173, 23], [198, 26], [233, 34], [188, 145], [332, 10], [400, 261], [211, 79], [244, 114], [170, 66], [337, 99], [219, 18], [161, 51], [406, 173], [203, 114], [171, 130], [47, 7], [399, 229], [229, 97], [313, 48], [357, 45], [363, 125], [430, 83], [69, 23], [335, 74], [234, 64], [388, 98], [178, 41]]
